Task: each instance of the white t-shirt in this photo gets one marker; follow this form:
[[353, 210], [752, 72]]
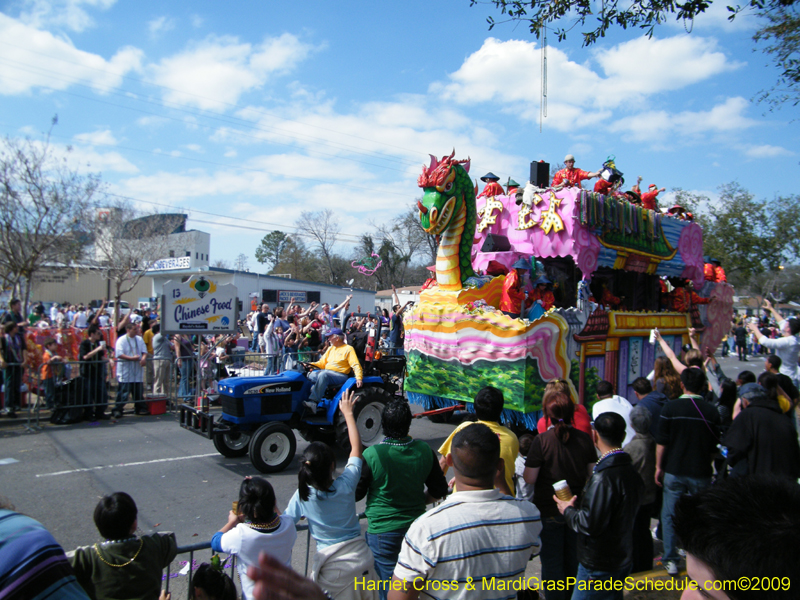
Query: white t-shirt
[[247, 544], [129, 371], [81, 322], [622, 407]]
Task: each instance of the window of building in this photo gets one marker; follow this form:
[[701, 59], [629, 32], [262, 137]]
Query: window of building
[[172, 253]]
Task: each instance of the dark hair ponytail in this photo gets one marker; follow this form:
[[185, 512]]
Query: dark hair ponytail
[[315, 469], [561, 411], [256, 499]]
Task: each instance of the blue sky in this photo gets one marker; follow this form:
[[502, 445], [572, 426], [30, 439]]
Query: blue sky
[[245, 114]]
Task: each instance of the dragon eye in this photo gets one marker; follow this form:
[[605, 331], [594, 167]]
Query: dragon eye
[[449, 186]]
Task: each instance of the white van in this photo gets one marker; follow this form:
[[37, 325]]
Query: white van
[[124, 308]]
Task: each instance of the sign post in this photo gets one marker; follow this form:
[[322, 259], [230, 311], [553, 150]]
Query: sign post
[[196, 307]]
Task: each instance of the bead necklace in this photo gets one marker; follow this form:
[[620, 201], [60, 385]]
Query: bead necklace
[[397, 442], [97, 550], [274, 524], [609, 453]]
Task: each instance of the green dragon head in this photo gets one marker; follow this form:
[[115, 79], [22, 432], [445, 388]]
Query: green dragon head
[[447, 185]]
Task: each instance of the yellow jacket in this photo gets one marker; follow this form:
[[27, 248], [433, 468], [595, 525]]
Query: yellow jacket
[[341, 360]]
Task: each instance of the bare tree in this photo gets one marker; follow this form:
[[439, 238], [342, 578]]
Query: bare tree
[[221, 264], [419, 242], [42, 206], [127, 242], [241, 262], [324, 227]]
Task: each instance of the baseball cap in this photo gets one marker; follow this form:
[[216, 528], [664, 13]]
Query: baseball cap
[[337, 331]]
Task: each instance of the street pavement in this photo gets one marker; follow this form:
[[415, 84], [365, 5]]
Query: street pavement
[[179, 481]]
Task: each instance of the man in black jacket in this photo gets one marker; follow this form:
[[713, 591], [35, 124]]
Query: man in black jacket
[[761, 440], [604, 516]]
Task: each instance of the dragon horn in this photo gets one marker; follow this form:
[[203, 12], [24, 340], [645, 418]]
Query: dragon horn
[[466, 164], [476, 187], [452, 154], [422, 209], [434, 163]]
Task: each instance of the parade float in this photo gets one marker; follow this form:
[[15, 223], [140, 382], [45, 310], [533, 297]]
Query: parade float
[[607, 262]]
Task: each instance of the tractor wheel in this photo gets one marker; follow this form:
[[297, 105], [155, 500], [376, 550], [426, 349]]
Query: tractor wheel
[[272, 447], [232, 445], [368, 412], [440, 418]]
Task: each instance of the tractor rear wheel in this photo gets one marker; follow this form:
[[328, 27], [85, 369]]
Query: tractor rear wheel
[[368, 413]]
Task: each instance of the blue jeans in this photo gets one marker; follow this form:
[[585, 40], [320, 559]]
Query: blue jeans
[[187, 375], [385, 548], [585, 574], [322, 378], [674, 487], [130, 392], [559, 554]]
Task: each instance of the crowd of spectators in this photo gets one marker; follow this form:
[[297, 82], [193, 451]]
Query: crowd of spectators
[[146, 363], [586, 494]]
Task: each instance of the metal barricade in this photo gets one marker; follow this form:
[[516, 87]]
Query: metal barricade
[[70, 391], [187, 567]]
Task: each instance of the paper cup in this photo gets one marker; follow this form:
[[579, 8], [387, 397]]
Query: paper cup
[[235, 507], [562, 490], [652, 337]]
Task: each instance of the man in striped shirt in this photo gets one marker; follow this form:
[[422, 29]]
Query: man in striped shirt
[[477, 543]]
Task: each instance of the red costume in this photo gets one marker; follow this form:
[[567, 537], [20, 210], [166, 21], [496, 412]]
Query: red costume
[[719, 275], [683, 299], [546, 296], [708, 271], [580, 421], [572, 177], [609, 300], [602, 186], [649, 200], [492, 189], [512, 296]]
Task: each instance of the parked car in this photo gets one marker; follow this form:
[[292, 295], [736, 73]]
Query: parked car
[[124, 308]]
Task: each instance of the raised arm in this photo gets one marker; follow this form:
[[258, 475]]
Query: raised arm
[[346, 405], [771, 309], [394, 295], [679, 366]]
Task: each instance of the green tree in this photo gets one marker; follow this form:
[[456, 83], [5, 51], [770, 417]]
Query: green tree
[[297, 261], [271, 247], [748, 235], [780, 31]]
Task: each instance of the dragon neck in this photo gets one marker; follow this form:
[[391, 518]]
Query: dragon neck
[[454, 257]]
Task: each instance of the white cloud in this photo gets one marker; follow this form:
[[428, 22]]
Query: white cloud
[[160, 25], [85, 159], [655, 125], [716, 18], [197, 21], [648, 66], [35, 58], [766, 151], [194, 148], [578, 96], [69, 14], [97, 138], [213, 74]]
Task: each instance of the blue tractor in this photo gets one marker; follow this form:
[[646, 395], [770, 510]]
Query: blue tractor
[[259, 414]]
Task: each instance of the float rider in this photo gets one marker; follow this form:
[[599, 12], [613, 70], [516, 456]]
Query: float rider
[[542, 294], [513, 295], [333, 368], [569, 176], [493, 188]]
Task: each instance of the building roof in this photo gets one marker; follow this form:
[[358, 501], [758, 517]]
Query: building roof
[[409, 289]]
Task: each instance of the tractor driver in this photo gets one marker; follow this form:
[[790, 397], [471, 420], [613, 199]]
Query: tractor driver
[[333, 368]]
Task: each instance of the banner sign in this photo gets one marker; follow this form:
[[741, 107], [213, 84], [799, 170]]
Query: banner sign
[[286, 297], [199, 306], [167, 264]]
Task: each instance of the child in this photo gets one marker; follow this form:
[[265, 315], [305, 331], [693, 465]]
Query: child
[[124, 562], [255, 527], [212, 584], [47, 372], [524, 490], [330, 507]]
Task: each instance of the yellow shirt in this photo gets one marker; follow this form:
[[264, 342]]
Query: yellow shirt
[[148, 340], [509, 446], [341, 360]]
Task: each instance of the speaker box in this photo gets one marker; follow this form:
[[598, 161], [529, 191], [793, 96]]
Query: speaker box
[[495, 243], [313, 297], [269, 295], [540, 174]]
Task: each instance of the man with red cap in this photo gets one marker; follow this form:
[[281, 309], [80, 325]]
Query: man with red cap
[[677, 211], [492, 187], [649, 197], [719, 272], [569, 176]]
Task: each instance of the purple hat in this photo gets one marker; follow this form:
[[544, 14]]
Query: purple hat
[[337, 331]]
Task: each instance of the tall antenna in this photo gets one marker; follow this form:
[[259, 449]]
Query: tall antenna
[[543, 99]]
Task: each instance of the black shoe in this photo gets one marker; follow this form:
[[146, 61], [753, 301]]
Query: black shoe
[[102, 417], [116, 414], [144, 413]]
